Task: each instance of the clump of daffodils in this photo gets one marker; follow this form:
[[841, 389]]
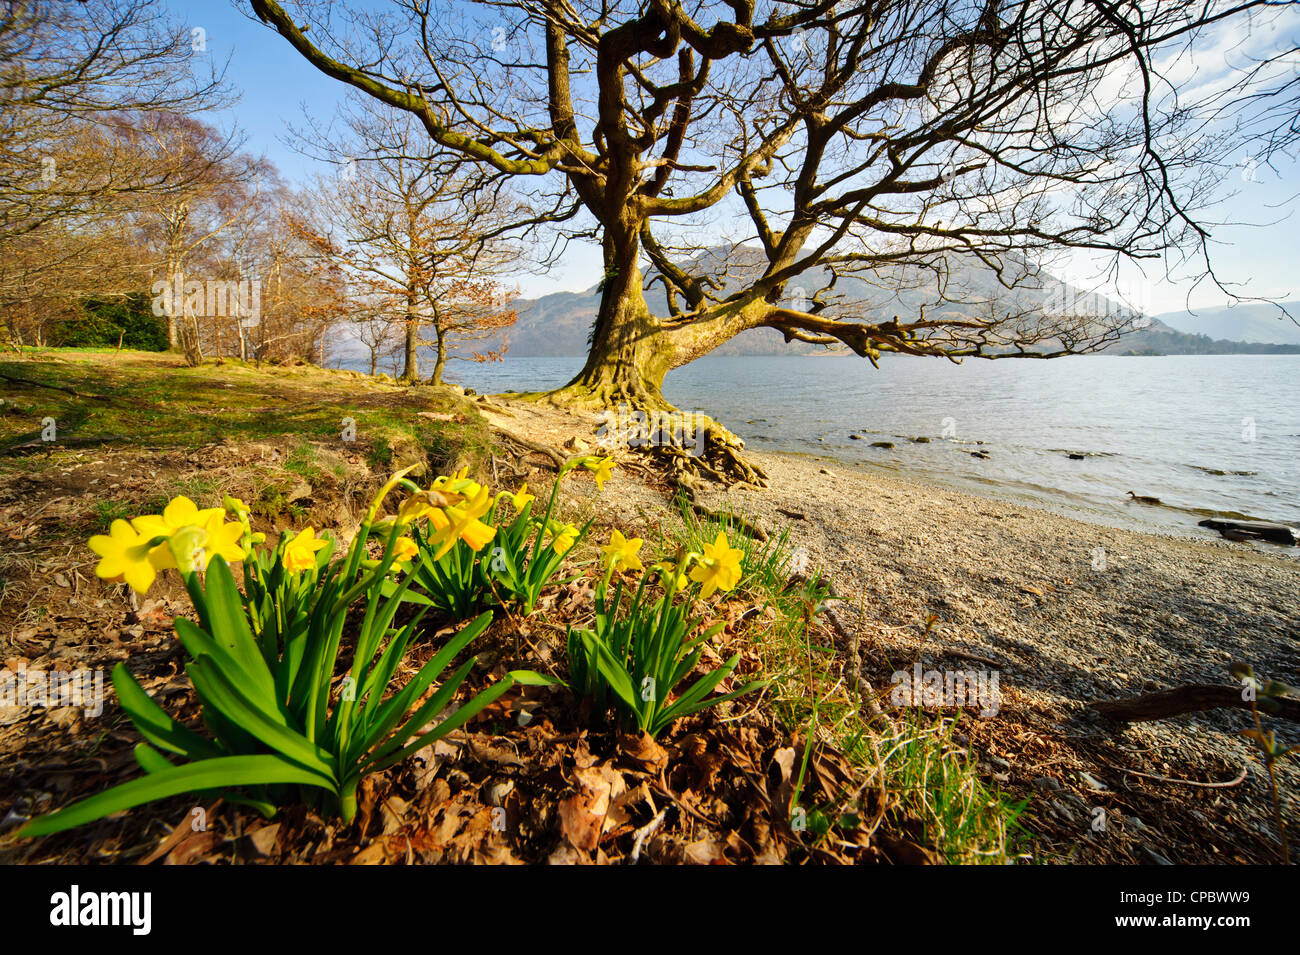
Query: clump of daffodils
[[717, 568], [454, 507]]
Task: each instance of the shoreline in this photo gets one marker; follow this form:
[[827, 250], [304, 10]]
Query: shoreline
[[1017, 590], [992, 493], [1065, 612]]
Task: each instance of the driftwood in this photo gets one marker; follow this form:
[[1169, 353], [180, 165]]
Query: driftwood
[[1247, 530], [1190, 699]]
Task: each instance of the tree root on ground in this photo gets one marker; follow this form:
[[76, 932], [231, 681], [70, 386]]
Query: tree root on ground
[[1190, 699], [670, 439], [524, 447]]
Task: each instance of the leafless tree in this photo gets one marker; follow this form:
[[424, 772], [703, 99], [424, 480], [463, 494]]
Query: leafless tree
[[417, 238], [216, 186], [74, 80]]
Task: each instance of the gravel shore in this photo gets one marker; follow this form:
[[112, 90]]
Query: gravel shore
[[1066, 612]]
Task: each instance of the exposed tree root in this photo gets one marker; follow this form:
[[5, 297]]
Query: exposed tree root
[[689, 447], [1190, 699], [531, 447]]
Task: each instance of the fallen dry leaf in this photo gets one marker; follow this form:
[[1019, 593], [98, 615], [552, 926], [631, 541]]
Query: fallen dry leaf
[[584, 816]]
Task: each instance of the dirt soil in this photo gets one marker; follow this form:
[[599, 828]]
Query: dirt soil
[[533, 779]]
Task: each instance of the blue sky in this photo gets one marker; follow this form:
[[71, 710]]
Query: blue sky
[[277, 85]]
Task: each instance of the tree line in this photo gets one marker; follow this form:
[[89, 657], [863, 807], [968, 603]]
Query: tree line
[[128, 216]]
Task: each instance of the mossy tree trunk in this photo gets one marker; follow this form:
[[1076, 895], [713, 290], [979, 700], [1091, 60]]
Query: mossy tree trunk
[[440, 359]]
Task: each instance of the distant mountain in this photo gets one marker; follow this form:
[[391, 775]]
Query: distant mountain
[[1157, 338], [1240, 323], [558, 324]]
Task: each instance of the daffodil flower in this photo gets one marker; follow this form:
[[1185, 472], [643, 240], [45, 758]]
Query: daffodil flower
[[458, 483], [224, 540], [462, 521], [521, 497], [565, 539], [188, 548], [300, 552], [718, 568], [200, 543], [622, 553], [601, 469], [672, 578], [235, 506], [125, 555], [404, 549], [179, 513]]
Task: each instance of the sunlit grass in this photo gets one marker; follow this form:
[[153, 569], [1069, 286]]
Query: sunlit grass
[[910, 755]]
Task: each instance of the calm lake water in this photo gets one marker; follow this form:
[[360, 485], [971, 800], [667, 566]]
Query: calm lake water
[[1205, 434]]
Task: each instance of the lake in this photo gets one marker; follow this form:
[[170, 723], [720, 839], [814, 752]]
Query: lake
[[1205, 434]]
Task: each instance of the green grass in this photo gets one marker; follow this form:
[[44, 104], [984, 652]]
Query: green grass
[[106, 512], [924, 775], [154, 400]]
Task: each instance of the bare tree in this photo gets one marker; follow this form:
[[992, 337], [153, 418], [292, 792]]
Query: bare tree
[[69, 68], [74, 79], [416, 240], [217, 185], [857, 137]]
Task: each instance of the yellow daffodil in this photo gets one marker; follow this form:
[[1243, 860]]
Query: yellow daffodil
[[600, 468], [179, 513], [235, 506], [197, 533], [621, 553], [565, 539], [462, 521], [187, 548], [458, 483], [521, 497], [424, 503], [125, 555], [224, 538], [719, 568], [404, 549], [300, 552]]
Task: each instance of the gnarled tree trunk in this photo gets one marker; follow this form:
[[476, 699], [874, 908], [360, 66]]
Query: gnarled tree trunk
[[632, 352]]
